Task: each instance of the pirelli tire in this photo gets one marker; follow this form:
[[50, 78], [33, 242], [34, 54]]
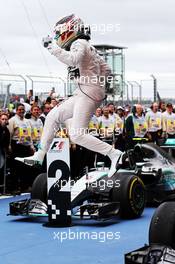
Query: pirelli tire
[[131, 195], [39, 188], [162, 226]]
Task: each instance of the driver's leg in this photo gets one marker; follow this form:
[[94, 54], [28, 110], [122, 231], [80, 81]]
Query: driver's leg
[[83, 110]]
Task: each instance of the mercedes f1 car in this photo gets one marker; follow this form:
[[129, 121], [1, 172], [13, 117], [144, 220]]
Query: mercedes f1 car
[[147, 166], [93, 196], [156, 168]]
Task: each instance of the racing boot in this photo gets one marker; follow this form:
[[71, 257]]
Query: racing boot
[[36, 159], [115, 156]]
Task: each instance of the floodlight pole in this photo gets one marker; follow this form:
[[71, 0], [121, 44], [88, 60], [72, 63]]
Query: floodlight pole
[[132, 91], [140, 91], [127, 92], [154, 87]]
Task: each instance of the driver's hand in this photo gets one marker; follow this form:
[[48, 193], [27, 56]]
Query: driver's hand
[[46, 41], [50, 43]]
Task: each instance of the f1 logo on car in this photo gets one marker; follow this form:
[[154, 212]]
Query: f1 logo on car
[[57, 146]]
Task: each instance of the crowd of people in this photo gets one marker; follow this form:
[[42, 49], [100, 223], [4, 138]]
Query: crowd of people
[[21, 126], [124, 125]]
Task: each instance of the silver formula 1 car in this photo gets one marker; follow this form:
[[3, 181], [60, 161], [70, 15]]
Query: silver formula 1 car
[[156, 168], [93, 196]]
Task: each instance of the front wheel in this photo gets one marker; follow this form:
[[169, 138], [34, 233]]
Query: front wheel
[[39, 188], [130, 194]]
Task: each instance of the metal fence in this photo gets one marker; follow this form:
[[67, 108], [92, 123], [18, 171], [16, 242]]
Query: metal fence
[[11, 84]]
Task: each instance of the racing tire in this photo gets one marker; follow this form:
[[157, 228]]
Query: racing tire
[[39, 188], [162, 226], [131, 195]]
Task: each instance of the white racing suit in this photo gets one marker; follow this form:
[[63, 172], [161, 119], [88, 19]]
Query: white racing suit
[[81, 106]]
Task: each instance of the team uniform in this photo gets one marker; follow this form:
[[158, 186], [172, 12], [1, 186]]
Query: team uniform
[[21, 146], [135, 127], [119, 125], [20, 131], [154, 122], [94, 122], [36, 130], [106, 126], [87, 97], [169, 124], [85, 100], [113, 115], [140, 126], [94, 126]]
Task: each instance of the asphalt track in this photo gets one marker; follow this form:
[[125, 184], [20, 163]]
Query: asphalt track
[[25, 240]]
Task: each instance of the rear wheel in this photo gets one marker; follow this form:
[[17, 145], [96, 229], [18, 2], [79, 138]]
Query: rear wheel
[[162, 227], [130, 194], [39, 188]]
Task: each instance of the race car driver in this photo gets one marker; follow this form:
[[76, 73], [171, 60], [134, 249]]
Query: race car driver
[[71, 46]]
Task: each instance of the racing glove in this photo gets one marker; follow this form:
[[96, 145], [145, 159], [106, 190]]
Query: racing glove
[[49, 43], [46, 41]]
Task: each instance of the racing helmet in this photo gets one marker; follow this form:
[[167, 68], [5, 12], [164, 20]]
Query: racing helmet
[[68, 29]]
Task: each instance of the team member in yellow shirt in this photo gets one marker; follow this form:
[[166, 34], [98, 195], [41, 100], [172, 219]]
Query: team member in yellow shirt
[[169, 122], [106, 125], [20, 132], [36, 125], [21, 145], [154, 122], [94, 122]]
